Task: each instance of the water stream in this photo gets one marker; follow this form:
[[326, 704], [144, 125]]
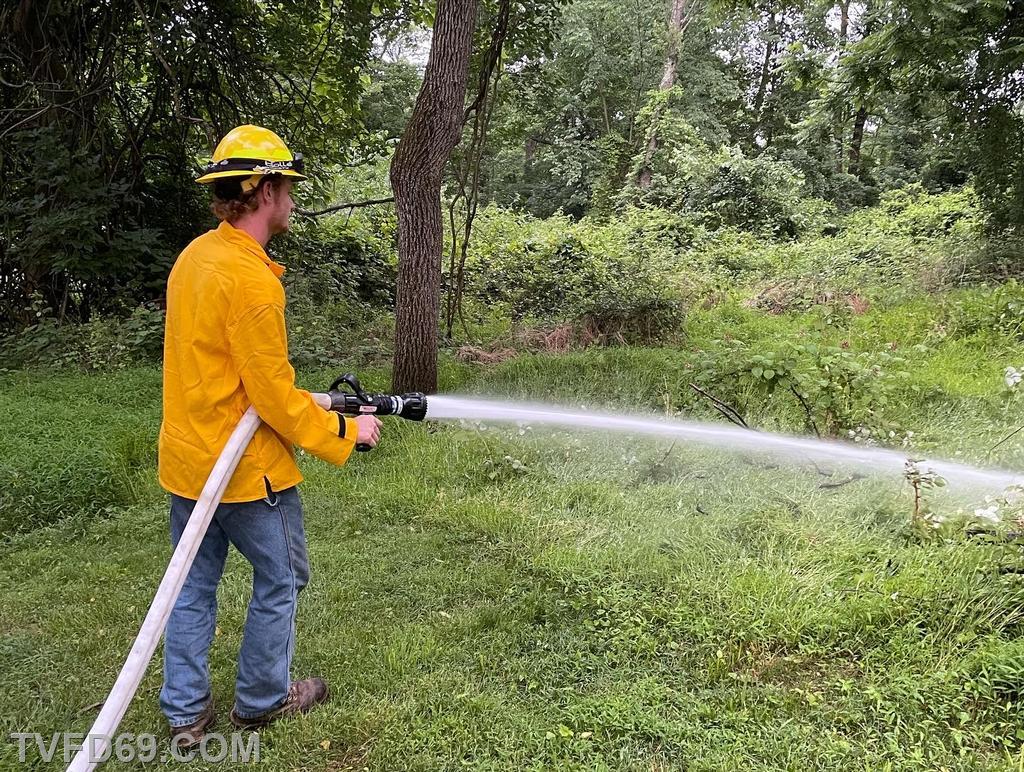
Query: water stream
[[870, 460]]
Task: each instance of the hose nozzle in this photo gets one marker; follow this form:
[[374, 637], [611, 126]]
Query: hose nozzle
[[411, 406]]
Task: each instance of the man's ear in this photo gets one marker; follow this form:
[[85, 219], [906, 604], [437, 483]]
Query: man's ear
[[268, 192]]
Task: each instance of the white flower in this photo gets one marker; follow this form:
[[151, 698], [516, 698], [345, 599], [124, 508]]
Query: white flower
[[989, 513], [1012, 377]]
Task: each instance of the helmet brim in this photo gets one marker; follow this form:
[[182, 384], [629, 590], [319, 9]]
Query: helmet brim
[[248, 173]]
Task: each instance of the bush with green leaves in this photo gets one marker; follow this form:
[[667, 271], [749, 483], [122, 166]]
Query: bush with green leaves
[[759, 194], [102, 344], [553, 271], [913, 240], [334, 261], [720, 186], [1008, 311], [72, 237], [834, 391], [913, 211], [989, 311]]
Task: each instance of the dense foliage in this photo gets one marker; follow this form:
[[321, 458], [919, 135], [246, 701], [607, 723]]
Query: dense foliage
[[638, 277], [109, 108], [776, 120], [859, 97]]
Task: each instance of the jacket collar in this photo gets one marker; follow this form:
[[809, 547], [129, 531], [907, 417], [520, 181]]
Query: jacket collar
[[240, 238]]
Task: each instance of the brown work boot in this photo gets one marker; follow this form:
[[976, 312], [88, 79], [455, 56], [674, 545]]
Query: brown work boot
[[187, 737], [302, 697]]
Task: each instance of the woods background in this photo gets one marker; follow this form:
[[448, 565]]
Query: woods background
[[681, 125]]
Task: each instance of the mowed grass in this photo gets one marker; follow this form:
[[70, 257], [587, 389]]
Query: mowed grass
[[520, 599]]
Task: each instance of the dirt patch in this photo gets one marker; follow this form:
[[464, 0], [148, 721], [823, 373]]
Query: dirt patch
[[791, 295], [549, 340], [483, 356]]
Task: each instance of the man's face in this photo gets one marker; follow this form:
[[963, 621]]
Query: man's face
[[280, 206]]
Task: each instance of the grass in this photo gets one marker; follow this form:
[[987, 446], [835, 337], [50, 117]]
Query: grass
[[492, 600]]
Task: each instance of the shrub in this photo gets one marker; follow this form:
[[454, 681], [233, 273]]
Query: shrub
[[86, 243], [756, 194], [330, 262], [835, 390], [991, 310], [587, 273], [1008, 310], [915, 240], [912, 211], [102, 344], [720, 186]]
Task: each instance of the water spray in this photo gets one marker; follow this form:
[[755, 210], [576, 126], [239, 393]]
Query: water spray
[[871, 460]]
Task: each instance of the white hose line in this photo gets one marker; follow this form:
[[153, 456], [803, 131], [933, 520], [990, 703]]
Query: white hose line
[[97, 743]]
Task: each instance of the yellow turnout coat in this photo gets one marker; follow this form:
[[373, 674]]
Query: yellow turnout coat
[[226, 348]]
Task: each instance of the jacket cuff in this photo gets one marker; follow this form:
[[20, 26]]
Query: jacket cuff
[[347, 427]]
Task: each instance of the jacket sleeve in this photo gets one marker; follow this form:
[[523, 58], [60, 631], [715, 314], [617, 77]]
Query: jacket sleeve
[[259, 349]]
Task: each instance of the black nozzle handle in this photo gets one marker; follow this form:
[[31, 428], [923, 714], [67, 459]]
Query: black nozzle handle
[[355, 401]]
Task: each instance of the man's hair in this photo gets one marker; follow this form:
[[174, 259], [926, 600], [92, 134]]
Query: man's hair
[[230, 202]]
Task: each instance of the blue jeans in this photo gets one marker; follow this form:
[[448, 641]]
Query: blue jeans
[[270, 534]]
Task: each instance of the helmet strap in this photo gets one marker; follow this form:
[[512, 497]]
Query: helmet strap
[[250, 183]]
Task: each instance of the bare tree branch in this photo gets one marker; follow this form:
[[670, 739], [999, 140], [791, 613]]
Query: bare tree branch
[[725, 409], [1015, 432], [807, 411]]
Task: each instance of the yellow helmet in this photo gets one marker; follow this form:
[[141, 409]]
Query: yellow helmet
[[252, 151]]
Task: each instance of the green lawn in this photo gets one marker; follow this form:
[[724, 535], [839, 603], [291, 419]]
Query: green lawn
[[492, 600]]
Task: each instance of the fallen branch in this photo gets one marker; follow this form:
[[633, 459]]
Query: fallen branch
[[661, 463], [726, 410], [807, 411], [1008, 436], [350, 206], [833, 485], [819, 470]]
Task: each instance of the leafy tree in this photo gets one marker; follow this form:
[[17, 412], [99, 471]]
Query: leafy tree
[[108, 106], [958, 64], [565, 120]]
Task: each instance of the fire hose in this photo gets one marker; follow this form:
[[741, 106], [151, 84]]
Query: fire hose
[[353, 401]]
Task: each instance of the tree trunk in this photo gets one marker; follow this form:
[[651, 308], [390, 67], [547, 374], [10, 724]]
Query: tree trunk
[[856, 139], [861, 116], [767, 67], [678, 20], [434, 129], [844, 36]]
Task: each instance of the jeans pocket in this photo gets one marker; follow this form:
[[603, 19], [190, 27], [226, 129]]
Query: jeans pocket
[[271, 499]]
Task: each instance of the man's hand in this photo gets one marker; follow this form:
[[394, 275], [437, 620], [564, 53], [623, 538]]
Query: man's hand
[[369, 430]]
